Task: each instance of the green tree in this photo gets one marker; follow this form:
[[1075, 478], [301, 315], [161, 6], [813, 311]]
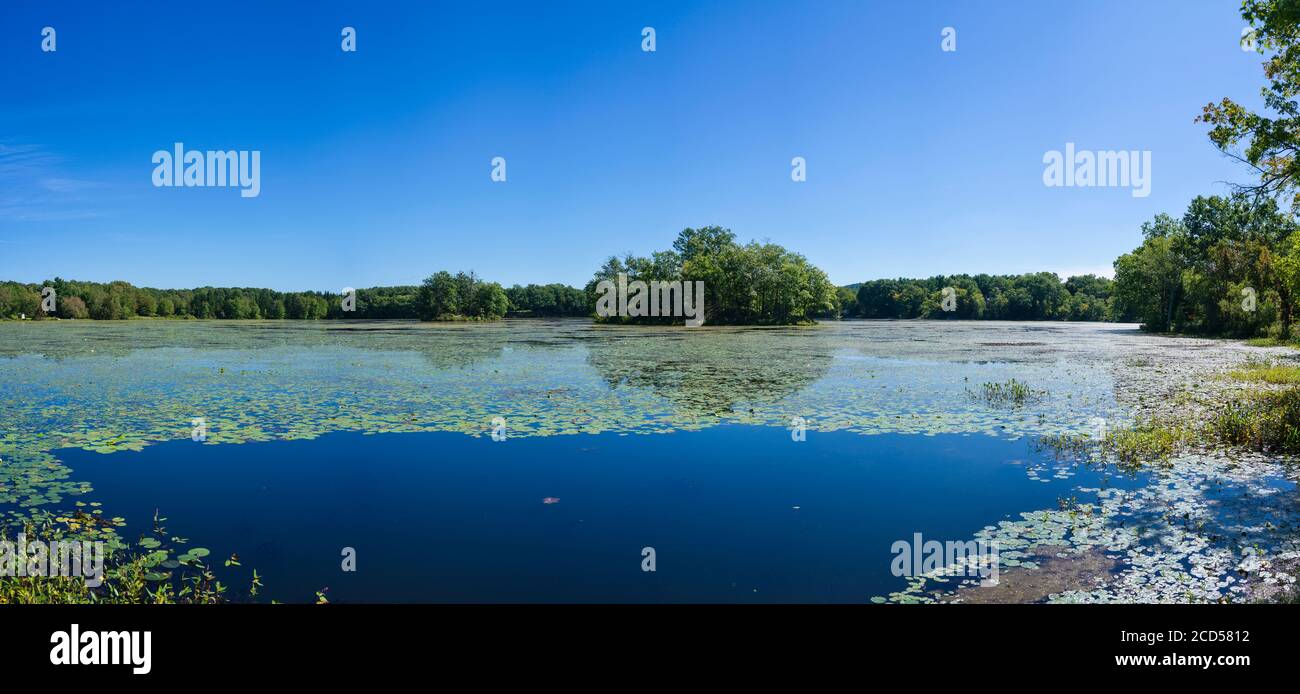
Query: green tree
[[444, 296], [1267, 142], [72, 307], [1148, 281]]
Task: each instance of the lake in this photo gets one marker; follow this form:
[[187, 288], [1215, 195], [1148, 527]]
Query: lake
[[536, 460]]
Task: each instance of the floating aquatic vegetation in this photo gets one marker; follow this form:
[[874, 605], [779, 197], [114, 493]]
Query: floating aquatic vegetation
[[1013, 393], [112, 387], [1132, 447], [1207, 528], [108, 387]]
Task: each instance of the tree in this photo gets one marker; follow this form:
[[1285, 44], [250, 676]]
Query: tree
[[1148, 281], [1267, 143], [848, 302], [72, 307], [876, 299], [749, 284], [1286, 266], [444, 296], [710, 240]]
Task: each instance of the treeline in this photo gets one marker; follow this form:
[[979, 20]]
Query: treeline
[[1228, 266], [1035, 296], [442, 296], [1231, 265], [747, 284], [549, 300], [122, 300]]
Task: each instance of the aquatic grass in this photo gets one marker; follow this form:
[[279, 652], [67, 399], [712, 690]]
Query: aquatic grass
[[1267, 372], [1266, 421], [1272, 342], [1012, 392], [1145, 443], [1131, 448]]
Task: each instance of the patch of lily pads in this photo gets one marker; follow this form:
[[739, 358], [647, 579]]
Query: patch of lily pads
[[1208, 527]]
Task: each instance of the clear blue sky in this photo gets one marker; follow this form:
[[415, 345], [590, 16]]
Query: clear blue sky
[[375, 164]]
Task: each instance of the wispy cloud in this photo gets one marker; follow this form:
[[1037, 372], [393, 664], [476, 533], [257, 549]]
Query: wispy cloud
[[68, 185], [34, 187]]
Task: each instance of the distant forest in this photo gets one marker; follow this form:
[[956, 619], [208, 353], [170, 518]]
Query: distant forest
[[444, 296], [1036, 296], [744, 284]]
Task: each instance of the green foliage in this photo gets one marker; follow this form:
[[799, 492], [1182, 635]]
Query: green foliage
[[548, 300], [1267, 372], [19, 300], [1229, 266], [1143, 444], [462, 296], [848, 301], [1271, 342], [1012, 393], [1148, 282], [148, 572], [743, 284], [73, 307], [1267, 142], [1034, 296], [1132, 448], [1267, 421], [121, 300]]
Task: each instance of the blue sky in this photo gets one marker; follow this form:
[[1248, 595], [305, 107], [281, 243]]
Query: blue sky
[[375, 165]]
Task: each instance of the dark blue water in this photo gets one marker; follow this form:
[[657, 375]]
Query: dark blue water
[[443, 517]]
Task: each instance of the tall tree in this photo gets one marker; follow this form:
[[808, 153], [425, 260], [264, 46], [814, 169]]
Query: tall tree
[[1267, 142]]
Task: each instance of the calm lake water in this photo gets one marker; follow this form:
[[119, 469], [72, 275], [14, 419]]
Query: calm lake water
[[377, 436], [734, 513]]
